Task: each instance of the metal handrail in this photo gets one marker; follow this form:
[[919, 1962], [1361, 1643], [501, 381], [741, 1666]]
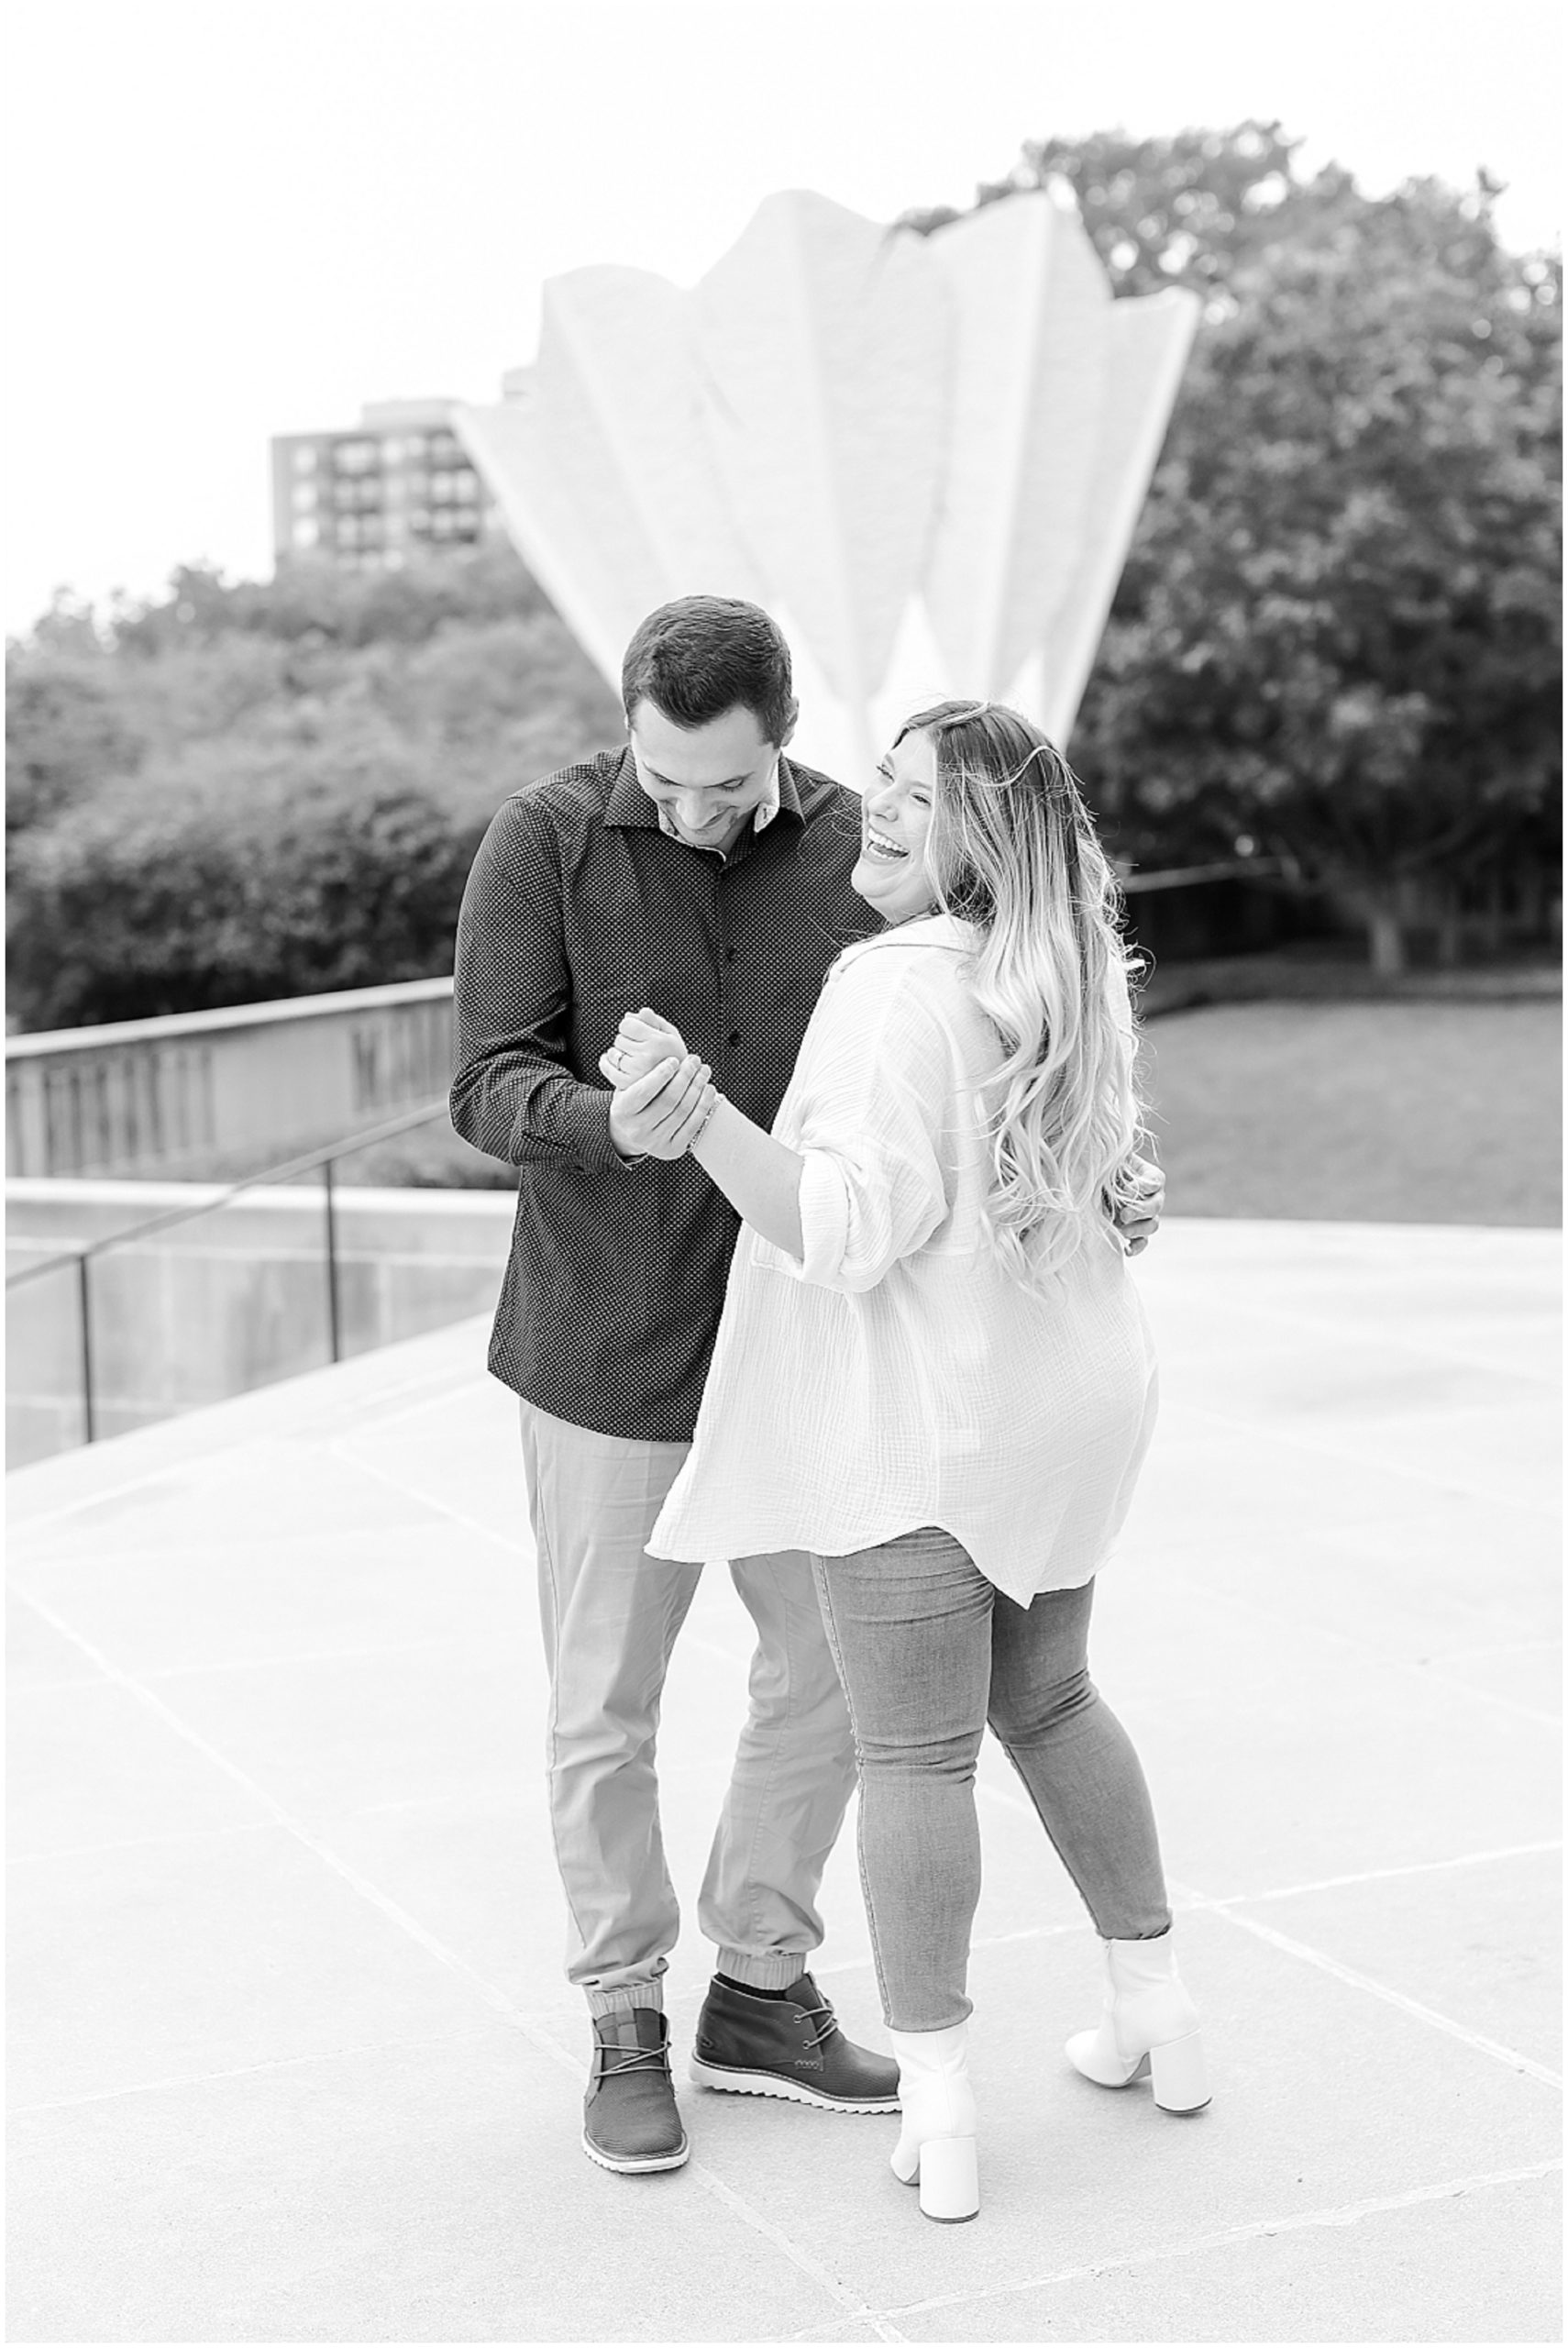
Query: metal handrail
[[1189, 875], [323, 1159]]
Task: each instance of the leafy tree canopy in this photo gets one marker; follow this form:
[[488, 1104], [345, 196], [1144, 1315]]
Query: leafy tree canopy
[[1337, 637], [264, 789]]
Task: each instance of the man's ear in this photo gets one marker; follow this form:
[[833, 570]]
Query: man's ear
[[789, 733]]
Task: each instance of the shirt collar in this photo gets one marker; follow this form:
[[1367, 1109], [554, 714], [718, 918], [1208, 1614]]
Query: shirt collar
[[767, 807], [629, 808]]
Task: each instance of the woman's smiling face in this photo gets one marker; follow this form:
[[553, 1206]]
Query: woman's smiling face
[[895, 822]]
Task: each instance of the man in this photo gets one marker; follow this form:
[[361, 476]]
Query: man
[[700, 871]]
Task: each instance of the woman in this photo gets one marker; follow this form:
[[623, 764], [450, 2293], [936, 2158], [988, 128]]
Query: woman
[[933, 1374]]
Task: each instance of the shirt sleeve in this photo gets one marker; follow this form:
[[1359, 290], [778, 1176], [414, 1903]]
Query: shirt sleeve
[[514, 1092], [873, 1092]]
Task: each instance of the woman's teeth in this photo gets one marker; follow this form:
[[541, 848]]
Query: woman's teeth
[[884, 850]]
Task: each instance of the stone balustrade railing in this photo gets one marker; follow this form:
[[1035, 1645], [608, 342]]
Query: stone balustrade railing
[[169, 1096]]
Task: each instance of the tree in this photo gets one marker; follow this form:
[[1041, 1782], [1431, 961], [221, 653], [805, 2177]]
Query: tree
[[1337, 635], [1178, 211], [265, 789], [257, 875], [66, 732]]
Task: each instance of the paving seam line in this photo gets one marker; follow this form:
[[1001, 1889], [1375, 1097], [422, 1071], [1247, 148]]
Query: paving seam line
[[440, 1388], [1195, 1903], [1189, 1901], [981, 1941], [179, 2084], [141, 1843], [213, 1664], [1384, 1875], [1424, 1351], [171, 1466], [1251, 1429], [434, 1644], [339, 1448], [1505, 1703], [496, 2000], [689, 1639], [272, 1543], [1508, 2056], [1352, 2213], [432, 1806], [1420, 1672]]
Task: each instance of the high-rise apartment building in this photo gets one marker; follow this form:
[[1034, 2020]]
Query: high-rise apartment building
[[398, 483]]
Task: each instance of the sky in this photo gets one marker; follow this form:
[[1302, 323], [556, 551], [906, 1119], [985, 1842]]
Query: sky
[[228, 220]]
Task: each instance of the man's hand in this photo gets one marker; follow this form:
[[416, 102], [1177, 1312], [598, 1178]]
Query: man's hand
[[1138, 1218], [642, 1041], [657, 1114]]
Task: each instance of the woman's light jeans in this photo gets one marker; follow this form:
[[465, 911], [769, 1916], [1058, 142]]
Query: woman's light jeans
[[929, 1651]]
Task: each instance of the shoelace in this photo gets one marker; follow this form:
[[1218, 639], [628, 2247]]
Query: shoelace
[[633, 2058], [828, 2019]]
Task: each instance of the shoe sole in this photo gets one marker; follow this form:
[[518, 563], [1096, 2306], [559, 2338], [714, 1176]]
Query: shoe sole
[[647, 2166], [1140, 2077], [706, 2075]]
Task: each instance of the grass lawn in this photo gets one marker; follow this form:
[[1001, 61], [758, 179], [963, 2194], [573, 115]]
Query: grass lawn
[[1403, 1111]]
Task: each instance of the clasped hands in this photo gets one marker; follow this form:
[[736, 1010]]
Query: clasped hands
[[663, 1093]]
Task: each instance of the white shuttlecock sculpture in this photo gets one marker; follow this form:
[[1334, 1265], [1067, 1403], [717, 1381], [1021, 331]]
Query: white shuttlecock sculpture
[[925, 456]]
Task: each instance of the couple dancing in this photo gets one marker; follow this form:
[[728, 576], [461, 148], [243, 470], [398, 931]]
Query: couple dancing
[[886, 1043]]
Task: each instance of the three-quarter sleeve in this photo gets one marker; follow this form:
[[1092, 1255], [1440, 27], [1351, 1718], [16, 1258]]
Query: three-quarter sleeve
[[872, 1097], [514, 1093]]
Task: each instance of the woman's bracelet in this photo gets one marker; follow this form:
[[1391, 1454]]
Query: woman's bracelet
[[707, 1120]]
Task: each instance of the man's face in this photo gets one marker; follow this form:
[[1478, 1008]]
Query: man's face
[[707, 781]]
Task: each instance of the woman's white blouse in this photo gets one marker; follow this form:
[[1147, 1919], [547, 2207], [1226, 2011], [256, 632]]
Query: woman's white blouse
[[896, 1377]]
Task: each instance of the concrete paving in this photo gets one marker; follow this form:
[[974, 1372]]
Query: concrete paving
[[292, 2056]]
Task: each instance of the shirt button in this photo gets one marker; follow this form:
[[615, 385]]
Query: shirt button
[[733, 1041], [729, 953]]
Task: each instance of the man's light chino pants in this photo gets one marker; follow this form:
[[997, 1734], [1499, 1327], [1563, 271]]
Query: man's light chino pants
[[611, 1614]]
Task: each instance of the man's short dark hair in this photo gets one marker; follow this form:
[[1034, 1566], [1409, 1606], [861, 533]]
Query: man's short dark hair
[[705, 655]]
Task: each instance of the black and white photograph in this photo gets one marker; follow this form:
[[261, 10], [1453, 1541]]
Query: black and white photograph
[[783, 1050]]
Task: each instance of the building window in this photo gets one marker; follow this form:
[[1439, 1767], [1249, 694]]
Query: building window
[[304, 461], [444, 448], [305, 534], [467, 487], [356, 455], [304, 497]]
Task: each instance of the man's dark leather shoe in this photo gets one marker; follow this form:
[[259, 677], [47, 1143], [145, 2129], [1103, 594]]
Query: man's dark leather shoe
[[629, 2120], [790, 2046]]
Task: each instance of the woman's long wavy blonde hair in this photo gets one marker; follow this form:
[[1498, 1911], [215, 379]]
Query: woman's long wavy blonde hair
[[1012, 851]]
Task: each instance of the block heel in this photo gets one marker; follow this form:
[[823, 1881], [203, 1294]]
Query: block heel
[[949, 2179], [1179, 2074]]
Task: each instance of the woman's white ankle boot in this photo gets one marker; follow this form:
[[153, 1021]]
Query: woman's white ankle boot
[[1149, 2028], [936, 2141]]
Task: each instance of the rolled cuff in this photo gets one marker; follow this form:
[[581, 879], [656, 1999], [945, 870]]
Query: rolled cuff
[[780, 1972], [824, 1220]]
